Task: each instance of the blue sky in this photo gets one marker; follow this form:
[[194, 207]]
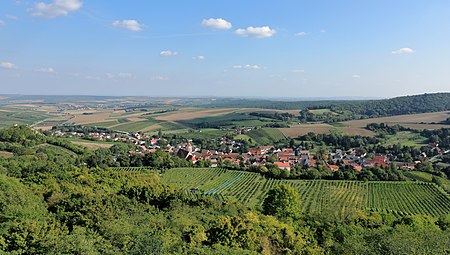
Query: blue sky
[[235, 48]]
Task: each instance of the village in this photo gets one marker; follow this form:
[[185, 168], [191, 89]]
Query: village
[[283, 158]]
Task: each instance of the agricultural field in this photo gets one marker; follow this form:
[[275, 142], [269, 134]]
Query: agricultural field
[[266, 136], [405, 138], [357, 127], [93, 145], [10, 116], [131, 169], [337, 197], [303, 129], [417, 121]]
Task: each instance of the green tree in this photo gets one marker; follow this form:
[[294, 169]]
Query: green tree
[[282, 201]]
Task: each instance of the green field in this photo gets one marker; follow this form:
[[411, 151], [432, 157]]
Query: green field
[[406, 138], [135, 126], [321, 111], [266, 136], [337, 197], [10, 118]]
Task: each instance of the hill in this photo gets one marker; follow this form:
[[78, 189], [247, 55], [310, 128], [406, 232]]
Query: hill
[[434, 102]]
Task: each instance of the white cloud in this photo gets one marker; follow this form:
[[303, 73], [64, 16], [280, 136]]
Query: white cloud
[[298, 71], [356, 76], [45, 70], [56, 8], [403, 51], [219, 24], [160, 78], [248, 66], [168, 53], [128, 24], [300, 34], [199, 58], [7, 65], [323, 30], [2, 22], [257, 32], [119, 75]]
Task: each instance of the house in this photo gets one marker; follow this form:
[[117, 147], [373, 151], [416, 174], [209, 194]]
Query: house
[[283, 165], [333, 168]]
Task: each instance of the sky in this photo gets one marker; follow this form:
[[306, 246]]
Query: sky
[[264, 48]]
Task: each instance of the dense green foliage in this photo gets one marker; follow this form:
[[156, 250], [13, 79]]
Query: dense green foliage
[[53, 202]]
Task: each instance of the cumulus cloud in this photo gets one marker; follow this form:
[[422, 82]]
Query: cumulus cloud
[[219, 24], [7, 65], [300, 34], [128, 24], [248, 66], [56, 8], [403, 51], [45, 70], [168, 53], [199, 58], [257, 32], [160, 78]]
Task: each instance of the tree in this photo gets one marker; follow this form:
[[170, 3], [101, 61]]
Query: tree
[[282, 201]]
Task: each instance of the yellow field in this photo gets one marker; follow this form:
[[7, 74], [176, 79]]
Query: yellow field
[[193, 113], [303, 129]]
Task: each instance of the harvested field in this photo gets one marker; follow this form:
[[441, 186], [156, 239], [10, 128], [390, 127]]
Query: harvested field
[[303, 129], [356, 131], [419, 121], [92, 117], [194, 113], [152, 128]]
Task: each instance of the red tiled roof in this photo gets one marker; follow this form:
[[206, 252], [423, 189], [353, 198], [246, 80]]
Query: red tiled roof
[[282, 164]]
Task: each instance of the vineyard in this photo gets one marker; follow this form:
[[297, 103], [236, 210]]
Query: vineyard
[[337, 197], [131, 169]]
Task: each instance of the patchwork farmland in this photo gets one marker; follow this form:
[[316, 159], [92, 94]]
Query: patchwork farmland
[[337, 197]]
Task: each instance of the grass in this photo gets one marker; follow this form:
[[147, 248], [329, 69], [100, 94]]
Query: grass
[[321, 111], [135, 126], [266, 136], [406, 138], [420, 176]]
